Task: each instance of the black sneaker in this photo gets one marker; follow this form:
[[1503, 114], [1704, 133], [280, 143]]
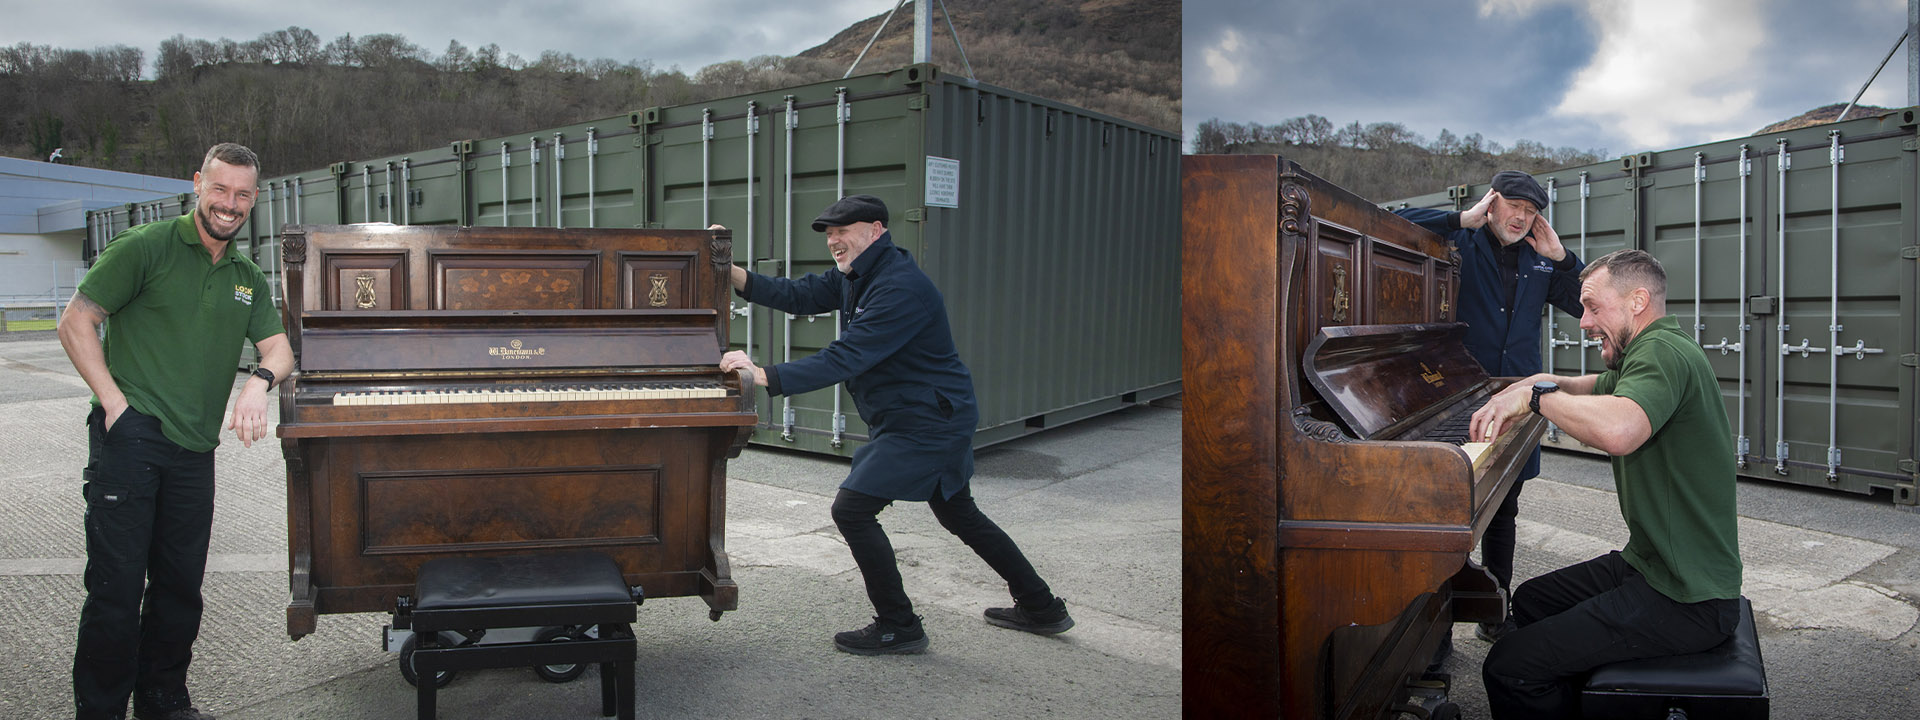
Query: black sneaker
[[883, 638], [185, 713], [1050, 620], [1492, 632]]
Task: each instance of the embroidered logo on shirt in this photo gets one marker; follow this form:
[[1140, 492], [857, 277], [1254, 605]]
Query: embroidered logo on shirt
[[1543, 266], [857, 310], [243, 294]]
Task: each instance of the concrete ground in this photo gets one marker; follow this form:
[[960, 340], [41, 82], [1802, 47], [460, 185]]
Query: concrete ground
[[1835, 579]]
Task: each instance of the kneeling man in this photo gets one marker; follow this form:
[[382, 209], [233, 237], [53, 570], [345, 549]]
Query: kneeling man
[[1675, 588]]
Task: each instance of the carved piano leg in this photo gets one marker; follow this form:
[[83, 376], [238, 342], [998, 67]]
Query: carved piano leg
[[1477, 596], [300, 610], [716, 580]]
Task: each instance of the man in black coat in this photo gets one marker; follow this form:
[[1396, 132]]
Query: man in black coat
[[897, 358], [1511, 265]]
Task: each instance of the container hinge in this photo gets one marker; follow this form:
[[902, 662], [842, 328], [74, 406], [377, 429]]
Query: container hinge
[[1910, 467], [1910, 252], [1910, 360], [918, 102], [1909, 145], [916, 214]]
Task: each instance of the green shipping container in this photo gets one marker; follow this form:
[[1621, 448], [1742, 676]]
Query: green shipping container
[[1053, 232], [1791, 256]]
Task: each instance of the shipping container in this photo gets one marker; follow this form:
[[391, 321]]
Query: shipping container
[[1053, 232], [1791, 258]]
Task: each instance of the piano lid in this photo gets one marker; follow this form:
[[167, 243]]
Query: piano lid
[[1379, 377]]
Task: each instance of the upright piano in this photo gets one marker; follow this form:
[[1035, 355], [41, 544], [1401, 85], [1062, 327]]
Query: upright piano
[[498, 391], [1328, 511]]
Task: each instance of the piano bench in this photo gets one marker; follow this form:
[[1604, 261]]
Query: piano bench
[[470, 595], [1729, 682]]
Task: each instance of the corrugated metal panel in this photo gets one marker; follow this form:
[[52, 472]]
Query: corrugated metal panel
[[1792, 257], [1059, 265]]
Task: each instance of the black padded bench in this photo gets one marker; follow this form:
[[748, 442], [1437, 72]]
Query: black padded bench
[[469, 594], [1728, 682]]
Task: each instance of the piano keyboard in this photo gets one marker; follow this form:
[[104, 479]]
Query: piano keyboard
[[535, 393]]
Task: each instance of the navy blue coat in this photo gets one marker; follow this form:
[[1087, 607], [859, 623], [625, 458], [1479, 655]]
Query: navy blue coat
[[897, 359], [1506, 344]]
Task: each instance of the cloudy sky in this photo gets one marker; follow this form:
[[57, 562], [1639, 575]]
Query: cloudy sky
[[1619, 75], [689, 33]]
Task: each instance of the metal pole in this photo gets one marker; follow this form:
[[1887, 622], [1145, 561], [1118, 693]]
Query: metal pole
[[1740, 440], [922, 21], [559, 197], [1699, 179], [876, 36], [593, 151], [406, 182], [706, 172], [1836, 154], [842, 114], [366, 193], [1780, 388], [506, 160], [533, 182], [1876, 74], [1586, 190], [299, 209], [753, 128], [1553, 343], [786, 401], [387, 187]]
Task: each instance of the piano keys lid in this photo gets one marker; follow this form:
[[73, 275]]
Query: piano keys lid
[[510, 340], [1380, 379]]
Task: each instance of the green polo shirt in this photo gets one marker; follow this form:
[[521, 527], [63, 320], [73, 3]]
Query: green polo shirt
[[1677, 490], [176, 322]]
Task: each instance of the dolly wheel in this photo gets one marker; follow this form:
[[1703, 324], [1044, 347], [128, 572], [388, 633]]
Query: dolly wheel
[[558, 673], [440, 678]]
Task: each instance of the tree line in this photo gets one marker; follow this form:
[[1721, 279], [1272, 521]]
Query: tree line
[[303, 103], [1385, 161]]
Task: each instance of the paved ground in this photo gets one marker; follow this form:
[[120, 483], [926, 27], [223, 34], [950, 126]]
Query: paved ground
[[1835, 578]]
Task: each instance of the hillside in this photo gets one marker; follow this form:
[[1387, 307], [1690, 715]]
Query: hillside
[[304, 104]]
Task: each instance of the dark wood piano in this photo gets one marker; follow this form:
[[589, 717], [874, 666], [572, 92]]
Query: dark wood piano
[[498, 391], [1326, 521]]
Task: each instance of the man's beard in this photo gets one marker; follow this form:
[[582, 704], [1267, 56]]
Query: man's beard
[[206, 225], [1613, 363]]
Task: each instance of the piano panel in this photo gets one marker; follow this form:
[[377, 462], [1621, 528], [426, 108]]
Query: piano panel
[[407, 512], [476, 280], [656, 280], [365, 281], [1400, 284]]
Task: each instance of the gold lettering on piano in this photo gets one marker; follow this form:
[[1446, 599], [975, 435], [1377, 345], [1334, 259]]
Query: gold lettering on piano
[[515, 350], [1341, 302], [363, 297], [658, 296], [1432, 376]]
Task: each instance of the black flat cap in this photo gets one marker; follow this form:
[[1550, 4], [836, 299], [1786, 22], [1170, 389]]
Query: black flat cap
[[849, 210], [1516, 184]]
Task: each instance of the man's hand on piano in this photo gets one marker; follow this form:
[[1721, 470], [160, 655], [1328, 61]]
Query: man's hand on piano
[[1501, 410], [1476, 216], [736, 360], [248, 419]]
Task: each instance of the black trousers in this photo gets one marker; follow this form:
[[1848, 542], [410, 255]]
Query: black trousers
[[857, 515], [1496, 544], [148, 520], [1583, 616]]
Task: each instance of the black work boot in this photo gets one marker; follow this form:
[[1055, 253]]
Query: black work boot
[[1049, 620], [883, 638], [185, 713]]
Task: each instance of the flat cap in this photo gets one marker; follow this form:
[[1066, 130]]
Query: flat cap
[[1516, 184], [849, 210]]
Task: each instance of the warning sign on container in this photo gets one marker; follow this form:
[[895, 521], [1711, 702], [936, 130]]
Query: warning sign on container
[[943, 182]]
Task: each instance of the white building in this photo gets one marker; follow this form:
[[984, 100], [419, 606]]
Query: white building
[[43, 225]]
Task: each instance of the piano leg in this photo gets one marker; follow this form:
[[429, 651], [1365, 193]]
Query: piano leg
[[1477, 596]]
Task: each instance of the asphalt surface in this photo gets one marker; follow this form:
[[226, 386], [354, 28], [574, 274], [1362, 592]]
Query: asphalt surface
[[1835, 580]]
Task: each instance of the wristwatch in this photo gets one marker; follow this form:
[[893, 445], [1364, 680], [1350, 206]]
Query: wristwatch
[[1541, 388], [267, 375]]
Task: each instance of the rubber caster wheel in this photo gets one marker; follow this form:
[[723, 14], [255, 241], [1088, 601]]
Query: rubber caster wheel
[[441, 678], [558, 673]]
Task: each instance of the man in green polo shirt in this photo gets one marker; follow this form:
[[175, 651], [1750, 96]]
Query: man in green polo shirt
[[176, 303], [1675, 588]]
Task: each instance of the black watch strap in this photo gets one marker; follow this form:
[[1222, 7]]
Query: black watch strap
[[264, 374]]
